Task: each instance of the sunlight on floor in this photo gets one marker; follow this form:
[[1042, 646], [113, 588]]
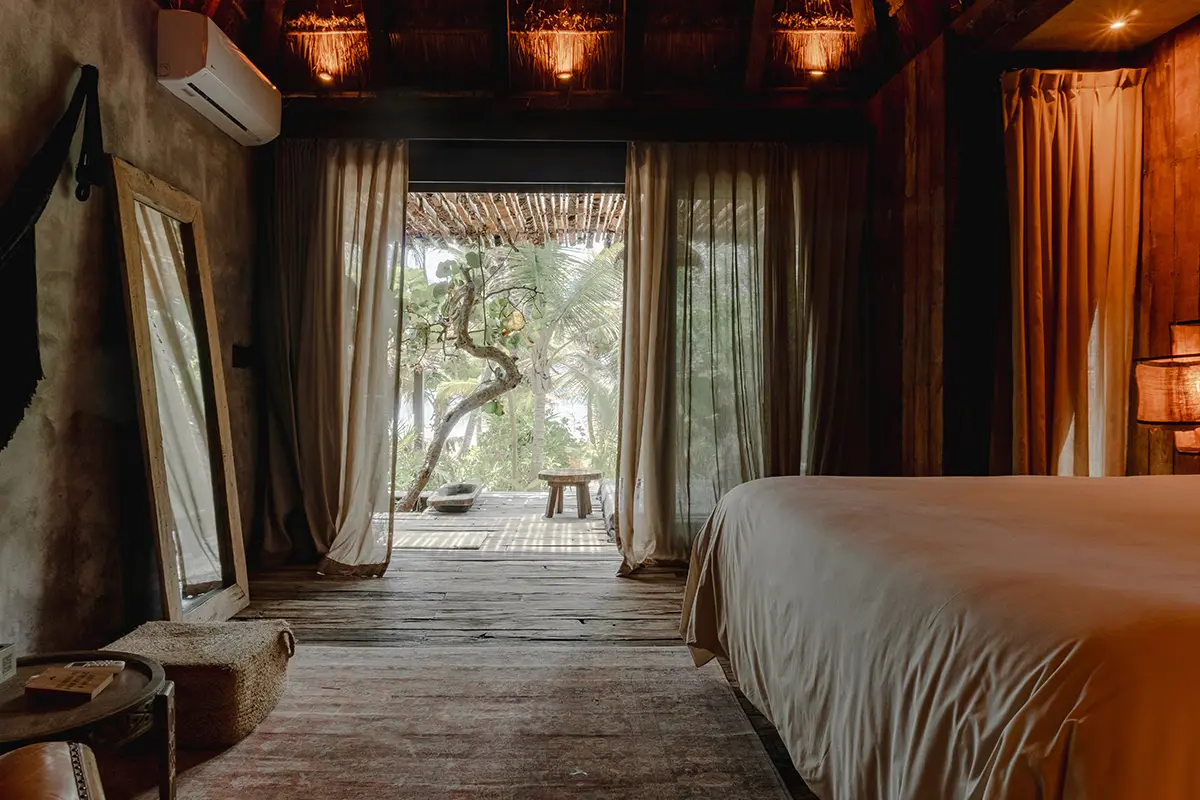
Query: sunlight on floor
[[511, 522]]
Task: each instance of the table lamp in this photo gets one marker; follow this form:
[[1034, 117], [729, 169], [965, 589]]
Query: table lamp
[[1185, 340], [1169, 388]]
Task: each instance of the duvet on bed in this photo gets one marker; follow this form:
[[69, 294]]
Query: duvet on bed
[[935, 638]]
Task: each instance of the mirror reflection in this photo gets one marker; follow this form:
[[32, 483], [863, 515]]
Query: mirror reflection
[[175, 354]]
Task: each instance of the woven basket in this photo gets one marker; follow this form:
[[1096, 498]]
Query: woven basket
[[228, 675]]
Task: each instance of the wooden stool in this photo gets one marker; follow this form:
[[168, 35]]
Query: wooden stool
[[559, 479]]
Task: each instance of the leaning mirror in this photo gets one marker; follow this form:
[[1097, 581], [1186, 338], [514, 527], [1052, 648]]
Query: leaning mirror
[[181, 398]]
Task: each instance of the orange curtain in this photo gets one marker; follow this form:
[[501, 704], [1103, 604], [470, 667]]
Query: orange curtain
[[1073, 144]]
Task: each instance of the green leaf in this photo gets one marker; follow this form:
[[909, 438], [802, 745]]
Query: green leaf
[[494, 408], [473, 260], [445, 269]]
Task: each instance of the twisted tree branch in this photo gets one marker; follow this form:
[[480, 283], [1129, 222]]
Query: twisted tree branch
[[483, 394]]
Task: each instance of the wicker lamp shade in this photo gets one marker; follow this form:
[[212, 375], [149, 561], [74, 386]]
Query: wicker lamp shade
[[1185, 341]]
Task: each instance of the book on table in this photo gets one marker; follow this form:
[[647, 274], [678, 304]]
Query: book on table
[[62, 682]]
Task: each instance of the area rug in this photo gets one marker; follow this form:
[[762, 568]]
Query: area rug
[[495, 721]]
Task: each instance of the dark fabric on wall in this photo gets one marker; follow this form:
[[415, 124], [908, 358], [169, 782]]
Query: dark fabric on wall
[[18, 258], [297, 178], [816, 348], [978, 317]]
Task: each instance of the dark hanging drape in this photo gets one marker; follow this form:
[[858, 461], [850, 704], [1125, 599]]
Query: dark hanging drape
[[740, 355], [22, 366]]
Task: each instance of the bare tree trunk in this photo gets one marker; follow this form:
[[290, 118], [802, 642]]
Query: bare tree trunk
[[473, 420], [591, 402], [540, 385], [483, 395], [512, 430], [418, 404], [539, 432]]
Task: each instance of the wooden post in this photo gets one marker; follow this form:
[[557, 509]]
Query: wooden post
[[500, 29], [379, 42], [635, 45], [270, 34], [760, 44], [164, 733]]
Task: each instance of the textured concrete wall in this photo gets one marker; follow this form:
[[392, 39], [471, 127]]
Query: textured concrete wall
[[73, 527]]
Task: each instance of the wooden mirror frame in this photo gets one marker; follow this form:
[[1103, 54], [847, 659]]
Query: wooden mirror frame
[[133, 186]]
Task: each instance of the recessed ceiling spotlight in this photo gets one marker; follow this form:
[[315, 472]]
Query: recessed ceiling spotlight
[[324, 77]]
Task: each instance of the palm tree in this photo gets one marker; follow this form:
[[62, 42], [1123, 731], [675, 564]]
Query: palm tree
[[578, 298]]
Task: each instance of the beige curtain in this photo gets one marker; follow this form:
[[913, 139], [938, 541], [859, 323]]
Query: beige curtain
[[1074, 151], [645, 486], [331, 315], [739, 354]]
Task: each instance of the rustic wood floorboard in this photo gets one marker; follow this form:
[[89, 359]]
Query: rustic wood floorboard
[[496, 599]]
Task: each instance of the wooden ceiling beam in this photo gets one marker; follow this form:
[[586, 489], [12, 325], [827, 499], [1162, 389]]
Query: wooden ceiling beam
[[405, 116], [998, 25], [379, 41], [759, 45], [634, 62], [269, 35]]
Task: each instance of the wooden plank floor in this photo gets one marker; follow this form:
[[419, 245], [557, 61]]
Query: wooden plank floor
[[541, 584]]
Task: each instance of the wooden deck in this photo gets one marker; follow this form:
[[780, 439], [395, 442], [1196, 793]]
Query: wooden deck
[[506, 522]]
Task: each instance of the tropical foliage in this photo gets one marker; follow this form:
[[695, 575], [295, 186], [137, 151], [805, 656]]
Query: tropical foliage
[[557, 312]]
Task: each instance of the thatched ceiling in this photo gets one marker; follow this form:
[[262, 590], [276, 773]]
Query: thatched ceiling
[[582, 51], [514, 218]]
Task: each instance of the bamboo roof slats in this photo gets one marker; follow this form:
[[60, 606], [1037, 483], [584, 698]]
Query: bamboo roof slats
[[515, 218]]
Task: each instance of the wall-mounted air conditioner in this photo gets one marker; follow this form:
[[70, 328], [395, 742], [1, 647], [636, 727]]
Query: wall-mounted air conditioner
[[197, 62]]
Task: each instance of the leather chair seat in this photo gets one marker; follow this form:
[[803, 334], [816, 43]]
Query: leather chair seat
[[50, 771]]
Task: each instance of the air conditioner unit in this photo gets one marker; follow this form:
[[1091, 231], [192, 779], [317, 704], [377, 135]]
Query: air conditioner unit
[[197, 62]]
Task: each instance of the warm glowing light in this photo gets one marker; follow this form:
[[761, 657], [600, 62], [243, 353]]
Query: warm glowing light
[[810, 52], [564, 75], [817, 73], [1121, 22], [324, 77]]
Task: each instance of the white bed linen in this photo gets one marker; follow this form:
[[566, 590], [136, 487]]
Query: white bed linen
[[935, 638]]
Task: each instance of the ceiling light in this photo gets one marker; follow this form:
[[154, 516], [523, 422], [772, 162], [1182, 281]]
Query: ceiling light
[[325, 77], [816, 73], [1120, 22]]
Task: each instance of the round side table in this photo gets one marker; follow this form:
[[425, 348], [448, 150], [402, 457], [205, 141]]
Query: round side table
[[139, 700]]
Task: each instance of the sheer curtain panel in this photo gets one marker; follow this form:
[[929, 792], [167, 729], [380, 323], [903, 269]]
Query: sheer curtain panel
[[646, 484], [740, 358], [1073, 143], [331, 312]]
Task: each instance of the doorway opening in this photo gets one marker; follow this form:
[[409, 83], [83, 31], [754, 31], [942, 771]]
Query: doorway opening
[[495, 431]]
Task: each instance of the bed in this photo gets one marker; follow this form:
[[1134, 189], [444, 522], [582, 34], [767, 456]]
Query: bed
[[932, 638]]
